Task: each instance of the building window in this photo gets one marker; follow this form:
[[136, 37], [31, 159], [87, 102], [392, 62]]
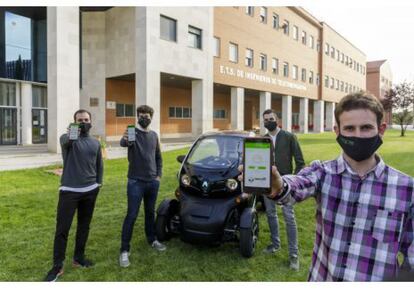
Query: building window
[[333, 52], [346, 59], [250, 10], [295, 32], [263, 61], [326, 81], [39, 96], [350, 62], [332, 82], [263, 14], [304, 37], [275, 65], [125, 110], [337, 55], [318, 45], [168, 28], [357, 67], [317, 79], [179, 112], [220, 114], [194, 37], [275, 21], [342, 86], [249, 57], [216, 47], [285, 27], [342, 57], [346, 87], [337, 84], [285, 69], [233, 52], [311, 42], [295, 72], [310, 76], [303, 76], [326, 48], [7, 94]]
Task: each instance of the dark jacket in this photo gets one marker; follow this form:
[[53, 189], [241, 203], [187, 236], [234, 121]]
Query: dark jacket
[[287, 148], [82, 161], [144, 156]]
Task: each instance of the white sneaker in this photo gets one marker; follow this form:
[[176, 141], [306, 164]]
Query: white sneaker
[[158, 246], [123, 259]]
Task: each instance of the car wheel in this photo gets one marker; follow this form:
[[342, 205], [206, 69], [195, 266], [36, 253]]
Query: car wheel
[[162, 228], [248, 237]]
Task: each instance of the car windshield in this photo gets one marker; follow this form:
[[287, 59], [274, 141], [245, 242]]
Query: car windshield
[[216, 152]]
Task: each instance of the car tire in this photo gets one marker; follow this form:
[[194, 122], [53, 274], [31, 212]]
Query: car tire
[[162, 228], [248, 237]]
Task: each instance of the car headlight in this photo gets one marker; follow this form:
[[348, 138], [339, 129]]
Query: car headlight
[[232, 184], [185, 180]]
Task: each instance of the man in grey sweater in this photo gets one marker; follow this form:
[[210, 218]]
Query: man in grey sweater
[[144, 174], [80, 183]]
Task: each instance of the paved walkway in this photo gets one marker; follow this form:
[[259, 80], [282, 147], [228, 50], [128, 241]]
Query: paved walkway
[[34, 156]]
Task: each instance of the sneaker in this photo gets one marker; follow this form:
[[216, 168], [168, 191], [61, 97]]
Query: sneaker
[[294, 263], [124, 259], [85, 263], [158, 246], [54, 273], [271, 249]]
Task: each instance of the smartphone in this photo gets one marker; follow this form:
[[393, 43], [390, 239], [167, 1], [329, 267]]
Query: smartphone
[[257, 165], [131, 133], [73, 131]]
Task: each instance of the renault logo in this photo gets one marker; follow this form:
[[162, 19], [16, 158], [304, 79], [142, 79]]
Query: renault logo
[[205, 185]]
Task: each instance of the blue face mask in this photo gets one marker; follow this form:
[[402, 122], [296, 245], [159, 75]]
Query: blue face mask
[[359, 148]]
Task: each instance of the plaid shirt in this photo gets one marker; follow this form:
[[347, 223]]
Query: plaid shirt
[[361, 223]]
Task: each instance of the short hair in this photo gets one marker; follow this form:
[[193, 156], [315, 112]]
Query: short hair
[[81, 111], [267, 111], [360, 100], [145, 109]]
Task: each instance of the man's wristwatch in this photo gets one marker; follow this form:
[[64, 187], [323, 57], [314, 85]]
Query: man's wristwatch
[[284, 192]]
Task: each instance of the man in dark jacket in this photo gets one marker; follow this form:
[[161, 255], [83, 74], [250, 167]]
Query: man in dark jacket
[[144, 174], [286, 148], [80, 183]]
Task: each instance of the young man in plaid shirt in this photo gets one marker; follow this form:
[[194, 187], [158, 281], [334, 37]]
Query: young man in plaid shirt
[[365, 211]]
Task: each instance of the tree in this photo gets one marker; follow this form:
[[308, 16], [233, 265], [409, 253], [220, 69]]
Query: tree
[[400, 98]]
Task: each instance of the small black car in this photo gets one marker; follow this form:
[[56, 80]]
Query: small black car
[[210, 207]]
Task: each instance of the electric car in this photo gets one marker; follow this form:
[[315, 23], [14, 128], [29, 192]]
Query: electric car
[[209, 206]]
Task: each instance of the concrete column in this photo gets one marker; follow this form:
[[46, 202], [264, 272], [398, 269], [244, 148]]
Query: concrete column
[[330, 116], [237, 108], [265, 103], [318, 116], [287, 112], [303, 115], [18, 116], [62, 71], [26, 113], [202, 107]]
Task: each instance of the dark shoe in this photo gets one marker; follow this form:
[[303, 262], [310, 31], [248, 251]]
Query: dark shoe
[[54, 273], [85, 263]]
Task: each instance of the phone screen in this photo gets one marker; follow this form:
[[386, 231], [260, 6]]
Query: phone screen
[[73, 131], [131, 133], [257, 163]]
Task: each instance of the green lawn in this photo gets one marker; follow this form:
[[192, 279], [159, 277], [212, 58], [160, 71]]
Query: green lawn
[[28, 200]]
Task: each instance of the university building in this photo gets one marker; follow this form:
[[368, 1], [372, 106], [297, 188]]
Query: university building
[[200, 68]]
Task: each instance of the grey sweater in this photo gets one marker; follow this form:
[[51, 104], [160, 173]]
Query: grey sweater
[[82, 161], [144, 156]]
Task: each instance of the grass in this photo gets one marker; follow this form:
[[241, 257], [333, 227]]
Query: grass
[[28, 200]]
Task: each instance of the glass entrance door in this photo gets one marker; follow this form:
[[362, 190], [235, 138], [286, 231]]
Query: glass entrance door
[[8, 126], [39, 126]]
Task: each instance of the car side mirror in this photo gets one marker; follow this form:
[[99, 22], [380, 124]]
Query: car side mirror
[[180, 158]]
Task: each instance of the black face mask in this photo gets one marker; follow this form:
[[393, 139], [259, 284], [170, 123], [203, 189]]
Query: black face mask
[[358, 148], [84, 127], [144, 121], [270, 125]]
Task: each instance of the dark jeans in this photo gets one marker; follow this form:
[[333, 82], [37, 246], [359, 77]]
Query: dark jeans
[[69, 202], [136, 191]]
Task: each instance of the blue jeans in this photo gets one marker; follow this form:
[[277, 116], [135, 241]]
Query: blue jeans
[[136, 191], [291, 230]]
